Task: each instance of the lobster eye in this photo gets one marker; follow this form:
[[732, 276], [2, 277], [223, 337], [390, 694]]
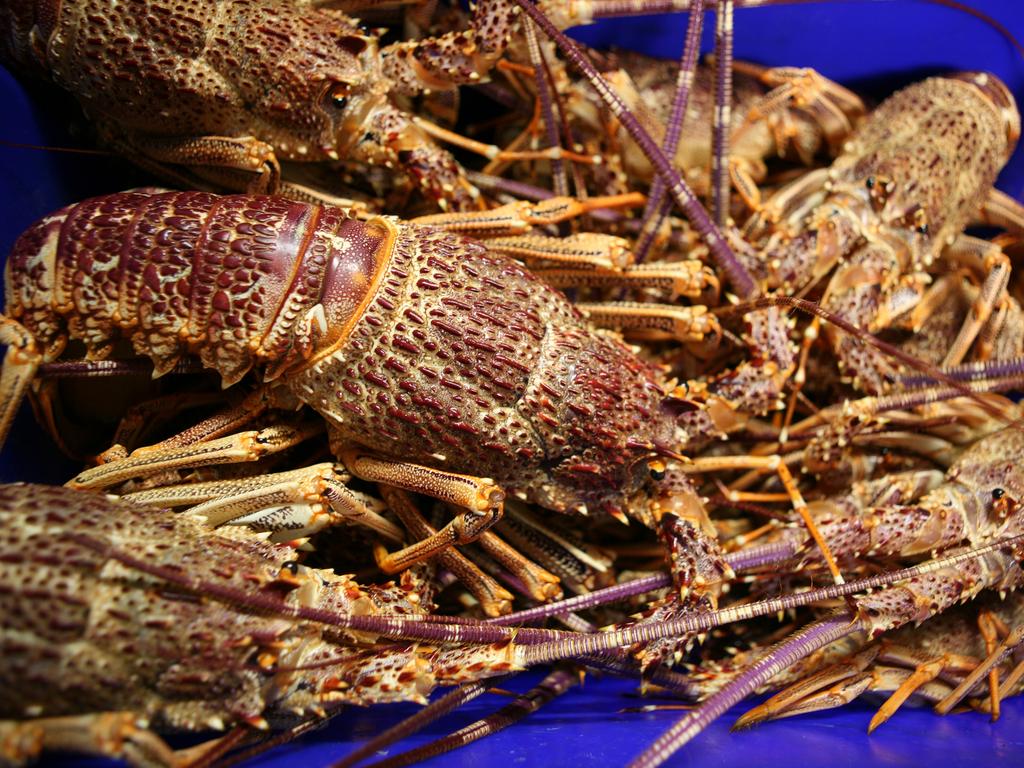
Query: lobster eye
[[339, 95], [657, 470], [292, 567], [869, 182], [998, 493]]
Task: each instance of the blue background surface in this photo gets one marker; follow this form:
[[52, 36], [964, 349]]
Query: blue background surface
[[869, 46]]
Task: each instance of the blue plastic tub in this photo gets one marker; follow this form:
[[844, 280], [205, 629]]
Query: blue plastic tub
[[870, 46]]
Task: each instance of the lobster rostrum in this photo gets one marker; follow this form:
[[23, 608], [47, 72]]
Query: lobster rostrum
[[223, 91]]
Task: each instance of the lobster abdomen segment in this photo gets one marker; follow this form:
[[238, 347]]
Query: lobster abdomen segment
[[178, 272]]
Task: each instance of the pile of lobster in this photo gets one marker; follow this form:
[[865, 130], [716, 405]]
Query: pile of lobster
[[394, 398]]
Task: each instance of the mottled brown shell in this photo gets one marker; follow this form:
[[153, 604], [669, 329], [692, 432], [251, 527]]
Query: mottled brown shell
[[219, 68], [80, 632]]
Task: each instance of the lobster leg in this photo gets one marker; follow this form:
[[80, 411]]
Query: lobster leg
[[518, 217], [1001, 210], [462, 530], [479, 496], [777, 465], [834, 108], [692, 279], [996, 265], [213, 158], [496, 154], [19, 368], [237, 448], [292, 503], [923, 673], [845, 681], [693, 326], [139, 419], [868, 670], [579, 250], [494, 599], [541, 585], [800, 194], [482, 498], [113, 734], [1012, 640]]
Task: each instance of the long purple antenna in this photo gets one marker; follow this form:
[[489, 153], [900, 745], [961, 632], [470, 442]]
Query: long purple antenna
[[987, 369], [558, 176], [740, 279], [782, 656], [579, 645], [722, 121], [743, 559], [435, 710], [657, 208], [553, 685], [534, 645]]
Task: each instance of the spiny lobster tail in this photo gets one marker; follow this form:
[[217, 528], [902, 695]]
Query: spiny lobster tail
[[740, 279], [220, 265]]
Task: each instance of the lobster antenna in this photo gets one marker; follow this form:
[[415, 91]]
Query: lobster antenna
[[286, 737], [65, 150], [901, 401], [542, 649], [553, 685], [984, 17], [657, 206], [221, 746], [987, 369], [435, 710], [90, 369], [578, 645], [740, 560], [739, 277], [784, 655], [541, 76], [721, 123]]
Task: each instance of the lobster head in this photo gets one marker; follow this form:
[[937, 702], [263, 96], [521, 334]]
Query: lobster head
[[312, 77], [927, 159]]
